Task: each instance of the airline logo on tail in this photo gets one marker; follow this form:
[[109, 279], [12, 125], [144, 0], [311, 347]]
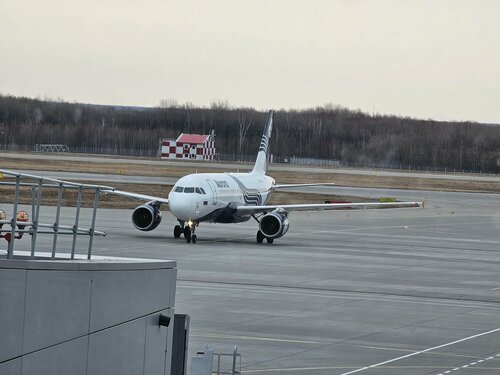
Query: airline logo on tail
[[260, 166], [264, 143]]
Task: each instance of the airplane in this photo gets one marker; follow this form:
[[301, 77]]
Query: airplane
[[233, 198]]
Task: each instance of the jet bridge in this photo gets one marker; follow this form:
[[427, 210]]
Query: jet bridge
[[64, 310]]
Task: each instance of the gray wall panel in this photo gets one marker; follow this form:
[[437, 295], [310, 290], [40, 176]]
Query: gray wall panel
[[57, 307], [156, 338], [118, 296], [12, 290], [159, 288], [67, 358], [11, 367], [170, 336], [173, 286], [85, 317], [118, 350]]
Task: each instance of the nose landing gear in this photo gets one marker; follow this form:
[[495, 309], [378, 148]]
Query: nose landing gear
[[187, 230]]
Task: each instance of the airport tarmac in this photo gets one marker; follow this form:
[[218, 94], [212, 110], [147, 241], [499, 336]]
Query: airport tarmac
[[393, 291]]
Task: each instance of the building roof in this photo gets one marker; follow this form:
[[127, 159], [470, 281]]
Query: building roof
[[192, 138]]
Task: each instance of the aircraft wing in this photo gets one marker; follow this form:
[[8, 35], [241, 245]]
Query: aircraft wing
[[142, 197], [288, 186], [252, 210]]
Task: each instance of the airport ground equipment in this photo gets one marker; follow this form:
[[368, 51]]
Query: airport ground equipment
[[204, 361]]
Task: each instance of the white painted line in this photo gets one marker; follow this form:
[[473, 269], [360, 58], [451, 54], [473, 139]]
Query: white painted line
[[254, 338], [423, 351], [291, 369]]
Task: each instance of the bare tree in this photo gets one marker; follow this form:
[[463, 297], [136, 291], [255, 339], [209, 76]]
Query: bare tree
[[244, 122]]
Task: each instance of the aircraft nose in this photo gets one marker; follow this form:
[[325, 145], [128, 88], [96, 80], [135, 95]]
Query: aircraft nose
[[181, 207]]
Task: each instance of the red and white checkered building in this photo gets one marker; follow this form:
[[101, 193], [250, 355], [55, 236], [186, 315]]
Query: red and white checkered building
[[189, 146]]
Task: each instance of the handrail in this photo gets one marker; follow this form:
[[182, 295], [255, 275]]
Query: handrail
[[17, 226]]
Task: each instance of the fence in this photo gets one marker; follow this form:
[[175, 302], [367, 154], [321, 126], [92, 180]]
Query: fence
[[20, 224], [51, 148]]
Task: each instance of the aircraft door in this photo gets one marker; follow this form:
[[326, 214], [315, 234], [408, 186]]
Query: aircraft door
[[214, 191]]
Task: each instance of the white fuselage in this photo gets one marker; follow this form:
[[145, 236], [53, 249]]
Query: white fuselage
[[209, 196]]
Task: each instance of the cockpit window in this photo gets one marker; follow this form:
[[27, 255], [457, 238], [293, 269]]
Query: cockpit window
[[189, 190]]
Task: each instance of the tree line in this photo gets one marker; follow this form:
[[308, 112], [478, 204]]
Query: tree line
[[325, 132]]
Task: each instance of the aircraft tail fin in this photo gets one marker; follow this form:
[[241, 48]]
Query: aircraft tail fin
[[261, 163]]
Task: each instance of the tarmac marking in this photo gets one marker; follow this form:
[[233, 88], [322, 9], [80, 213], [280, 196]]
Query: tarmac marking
[[469, 365], [324, 293], [217, 336], [424, 351], [409, 227], [302, 369], [410, 351]]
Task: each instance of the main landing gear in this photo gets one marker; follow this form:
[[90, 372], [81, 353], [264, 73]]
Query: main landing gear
[[260, 235], [260, 238], [188, 231]]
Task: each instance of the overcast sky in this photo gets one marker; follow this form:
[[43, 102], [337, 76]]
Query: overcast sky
[[427, 59]]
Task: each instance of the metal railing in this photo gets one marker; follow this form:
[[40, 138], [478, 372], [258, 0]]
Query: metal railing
[[236, 362], [20, 224]]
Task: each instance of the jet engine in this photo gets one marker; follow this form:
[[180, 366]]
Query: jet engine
[[274, 224], [146, 217]]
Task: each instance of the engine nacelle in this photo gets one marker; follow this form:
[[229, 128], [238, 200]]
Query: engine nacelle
[[274, 224], [146, 217]]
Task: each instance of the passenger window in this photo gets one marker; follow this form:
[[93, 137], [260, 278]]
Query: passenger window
[[179, 189], [189, 190]]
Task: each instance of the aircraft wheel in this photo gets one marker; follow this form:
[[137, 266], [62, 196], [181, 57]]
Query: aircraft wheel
[[260, 237], [193, 238], [177, 231], [187, 234], [269, 240]]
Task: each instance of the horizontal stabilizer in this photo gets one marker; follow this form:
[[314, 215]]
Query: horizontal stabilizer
[[291, 186]]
